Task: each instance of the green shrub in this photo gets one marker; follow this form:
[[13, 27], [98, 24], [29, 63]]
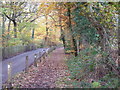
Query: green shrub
[[96, 84], [85, 63]]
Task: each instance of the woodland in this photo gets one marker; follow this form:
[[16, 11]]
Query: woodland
[[88, 31]]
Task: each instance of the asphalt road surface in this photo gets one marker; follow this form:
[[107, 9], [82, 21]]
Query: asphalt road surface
[[18, 62]]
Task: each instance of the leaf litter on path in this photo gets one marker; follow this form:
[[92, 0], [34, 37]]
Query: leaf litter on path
[[49, 74]]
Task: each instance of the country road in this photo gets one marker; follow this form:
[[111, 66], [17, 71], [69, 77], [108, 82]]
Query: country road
[[18, 62]]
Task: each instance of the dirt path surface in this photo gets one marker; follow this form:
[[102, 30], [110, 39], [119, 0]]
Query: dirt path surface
[[46, 74], [53, 68]]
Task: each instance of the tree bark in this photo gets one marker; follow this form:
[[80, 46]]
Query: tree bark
[[118, 43], [3, 40], [61, 29], [33, 32], [77, 41], [118, 38], [9, 26], [15, 28], [46, 25], [3, 26], [14, 23], [70, 27], [46, 37]]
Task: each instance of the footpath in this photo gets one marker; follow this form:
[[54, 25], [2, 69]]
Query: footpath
[[50, 73]]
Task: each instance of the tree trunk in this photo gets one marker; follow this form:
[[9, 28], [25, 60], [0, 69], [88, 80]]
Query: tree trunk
[[46, 25], [3, 40], [63, 37], [46, 37], [3, 26], [8, 31], [15, 29], [9, 26], [118, 10], [70, 27], [62, 32], [118, 43], [77, 46], [33, 33]]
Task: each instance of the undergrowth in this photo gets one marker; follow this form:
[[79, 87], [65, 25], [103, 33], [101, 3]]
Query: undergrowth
[[88, 71]]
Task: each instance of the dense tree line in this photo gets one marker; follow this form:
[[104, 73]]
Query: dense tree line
[[95, 26], [90, 31]]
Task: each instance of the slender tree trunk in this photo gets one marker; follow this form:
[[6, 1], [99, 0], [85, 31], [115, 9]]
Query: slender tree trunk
[[33, 33], [3, 40], [118, 10], [78, 46], [15, 29], [46, 37], [70, 26], [46, 25], [8, 31], [63, 37], [9, 26], [118, 43], [3, 26], [62, 32]]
